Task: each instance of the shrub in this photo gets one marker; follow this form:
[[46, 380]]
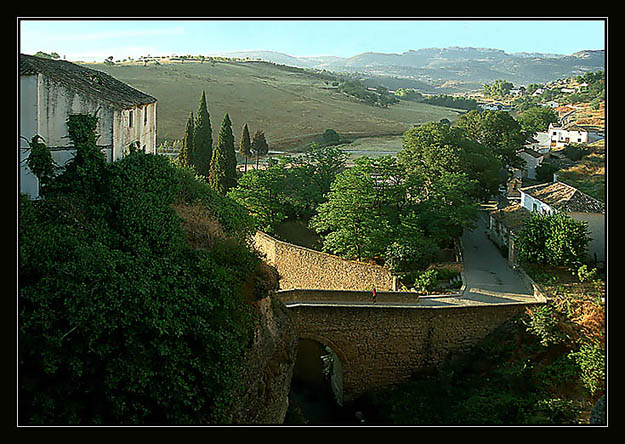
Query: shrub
[[426, 281], [553, 239], [120, 320], [590, 358]]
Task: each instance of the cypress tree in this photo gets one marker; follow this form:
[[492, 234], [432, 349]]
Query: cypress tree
[[259, 145], [245, 146], [202, 139], [222, 173], [186, 151]]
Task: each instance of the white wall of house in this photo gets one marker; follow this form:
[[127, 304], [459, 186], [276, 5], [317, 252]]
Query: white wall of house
[[44, 108], [134, 124], [29, 183], [596, 229], [531, 162], [532, 204], [561, 137]]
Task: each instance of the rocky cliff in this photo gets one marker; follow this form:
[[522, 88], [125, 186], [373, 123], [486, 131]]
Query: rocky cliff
[[269, 361]]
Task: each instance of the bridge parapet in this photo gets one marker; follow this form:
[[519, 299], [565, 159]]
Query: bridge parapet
[[347, 296]]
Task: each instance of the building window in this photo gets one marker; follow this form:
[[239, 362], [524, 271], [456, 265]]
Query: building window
[[130, 119], [145, 116]]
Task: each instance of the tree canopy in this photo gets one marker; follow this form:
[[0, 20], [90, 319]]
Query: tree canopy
[[121, 321]]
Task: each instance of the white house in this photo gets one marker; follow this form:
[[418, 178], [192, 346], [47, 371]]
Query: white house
[[52, 90], [532, 159], [561, 136], [558, 196], [541, 142]]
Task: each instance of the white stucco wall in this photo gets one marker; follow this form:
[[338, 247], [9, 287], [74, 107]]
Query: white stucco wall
[[44, 108], [143, 129], [529, 202], [28, 183], [596, 228]]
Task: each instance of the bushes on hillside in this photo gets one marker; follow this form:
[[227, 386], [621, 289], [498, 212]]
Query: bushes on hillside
[[120, 320]]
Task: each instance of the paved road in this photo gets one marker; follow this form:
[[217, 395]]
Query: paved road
[[488, 276]]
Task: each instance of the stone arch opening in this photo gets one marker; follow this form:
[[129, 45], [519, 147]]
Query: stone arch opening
[[317, 382]]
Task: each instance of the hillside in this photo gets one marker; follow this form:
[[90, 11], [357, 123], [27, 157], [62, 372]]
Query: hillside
[[468, 68], [287, 104]]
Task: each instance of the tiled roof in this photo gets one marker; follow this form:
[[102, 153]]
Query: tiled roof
[[88, 81], [563, 197], [512, 216]]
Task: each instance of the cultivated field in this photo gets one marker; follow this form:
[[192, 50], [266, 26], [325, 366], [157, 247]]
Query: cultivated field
[[291, 107]]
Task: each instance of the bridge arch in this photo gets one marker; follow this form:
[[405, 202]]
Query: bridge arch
[[337, 360], [383, 344]]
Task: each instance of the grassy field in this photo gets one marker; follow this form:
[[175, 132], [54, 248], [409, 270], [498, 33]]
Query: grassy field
[[291, 107]]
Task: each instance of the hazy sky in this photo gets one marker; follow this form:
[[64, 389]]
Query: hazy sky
[[80, 39]]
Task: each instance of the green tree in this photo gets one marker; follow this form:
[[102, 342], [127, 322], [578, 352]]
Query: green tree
[[499, 88], [40, 161], [259, 145], [120, 320], [553, 239], [536, 118], [245, 146], [322, 164], [186, 150], [436, 149], [202, 139], [261, 192], [349, 221], [222, 173], [497, 130]]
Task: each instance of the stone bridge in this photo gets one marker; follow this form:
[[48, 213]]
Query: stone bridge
[[387, 342], [378, 344]]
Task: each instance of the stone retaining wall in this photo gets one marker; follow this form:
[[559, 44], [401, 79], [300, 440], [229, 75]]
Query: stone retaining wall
[[301, 267]]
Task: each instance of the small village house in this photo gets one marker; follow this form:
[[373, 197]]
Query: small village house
[[548, 198], [562, 136], [558, 196], [532, 159], [52, 90]]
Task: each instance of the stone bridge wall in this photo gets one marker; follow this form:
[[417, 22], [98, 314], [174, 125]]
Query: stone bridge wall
[[301, 267], [379, 346]]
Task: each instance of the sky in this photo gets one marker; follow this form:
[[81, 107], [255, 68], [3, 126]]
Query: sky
[[97, 39]]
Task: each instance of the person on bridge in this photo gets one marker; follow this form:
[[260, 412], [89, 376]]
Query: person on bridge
[[374, 295]]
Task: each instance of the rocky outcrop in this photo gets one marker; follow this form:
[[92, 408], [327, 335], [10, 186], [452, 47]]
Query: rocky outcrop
[[267, 366]]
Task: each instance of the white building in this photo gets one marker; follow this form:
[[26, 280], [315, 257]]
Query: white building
[[561, 136], [52, 90], [541, 142], [558, 196], [532, 159]]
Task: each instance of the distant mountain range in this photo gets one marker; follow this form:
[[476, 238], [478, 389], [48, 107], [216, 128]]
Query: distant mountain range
[[446, 69]]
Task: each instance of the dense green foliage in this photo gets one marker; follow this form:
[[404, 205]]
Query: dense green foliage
[[357, 89], [289, 186], [499, 88], [202, 139], [379, 209], [120, 320], [536, 119], [259, 145], [185, 154], [450, 102], [554, 239], [245, 145], [497, 130], [40, 160], [222, 174]]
